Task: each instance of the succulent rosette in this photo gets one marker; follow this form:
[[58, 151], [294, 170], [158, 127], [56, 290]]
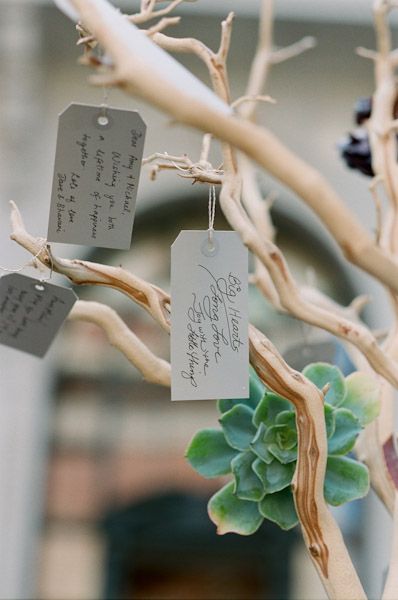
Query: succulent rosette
[[257, 445]]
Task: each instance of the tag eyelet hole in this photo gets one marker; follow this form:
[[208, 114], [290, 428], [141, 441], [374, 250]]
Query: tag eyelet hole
[[39, 287], [103, 120], [210, 247]]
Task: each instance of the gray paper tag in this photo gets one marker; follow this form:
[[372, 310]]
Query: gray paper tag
[[209, 317], [96, 172], [31, 312]]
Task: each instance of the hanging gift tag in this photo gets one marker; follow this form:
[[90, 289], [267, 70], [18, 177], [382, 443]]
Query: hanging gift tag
[[209, 316], [96, 173], [31, 312]]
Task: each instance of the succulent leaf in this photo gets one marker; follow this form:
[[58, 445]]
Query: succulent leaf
[[247, 483], [286, 417], [280, 509], [238, 427], [362, 397], [259, 447], [321, 374], [275, 476], [256, 392], [233, 515], [346, 432], [346, 479], [209, 454], [287, 438], [330, 420], [274, 438], [269, 407]]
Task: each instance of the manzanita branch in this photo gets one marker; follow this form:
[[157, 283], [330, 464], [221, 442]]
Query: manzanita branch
[[321, 533], [82, 272], [201, 171], [383, 144], [314, 468], [110, 29], [322, 536], [153, 368], [289, 297]]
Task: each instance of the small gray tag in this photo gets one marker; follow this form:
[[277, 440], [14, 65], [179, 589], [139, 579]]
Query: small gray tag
[[31, 312], [96, 173], [209, 317]]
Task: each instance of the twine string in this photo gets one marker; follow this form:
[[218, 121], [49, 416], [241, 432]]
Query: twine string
[[50, 256], [44, 246], [212, 212]]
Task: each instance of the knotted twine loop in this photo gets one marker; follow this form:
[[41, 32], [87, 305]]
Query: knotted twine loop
[[44, 246], [50, 256]]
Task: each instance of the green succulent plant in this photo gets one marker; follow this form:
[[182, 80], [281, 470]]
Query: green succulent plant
[[257, 444]]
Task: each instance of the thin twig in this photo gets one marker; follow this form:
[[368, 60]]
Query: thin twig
[[259, 98], [366, 53], [283, 54], [148, 11]]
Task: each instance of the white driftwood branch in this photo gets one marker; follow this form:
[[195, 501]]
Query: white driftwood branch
[[83, 272], [153, 368], [265, 56], [133, 76], [322, 536], [384, 161], [163, 24], [288, 294], [283, 54], [366, 53], [293, 301], [201, 171], [257, 98]]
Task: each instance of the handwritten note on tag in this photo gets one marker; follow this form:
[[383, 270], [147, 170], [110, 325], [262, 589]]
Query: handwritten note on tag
[[31, 312], [209, 317], [96, 173]]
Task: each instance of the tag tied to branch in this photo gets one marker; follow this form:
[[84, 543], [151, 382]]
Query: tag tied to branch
[[96, 173], [209, 316], [31, 312]]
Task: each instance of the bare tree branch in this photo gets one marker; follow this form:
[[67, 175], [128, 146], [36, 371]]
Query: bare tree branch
[[321, 533], [82, 272], [153, 368]]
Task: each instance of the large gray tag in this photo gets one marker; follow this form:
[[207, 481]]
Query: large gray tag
[[31, 312], [96, 172], [209, 316]]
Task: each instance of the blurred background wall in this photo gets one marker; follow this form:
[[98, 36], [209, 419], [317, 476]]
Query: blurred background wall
[[91, 458]]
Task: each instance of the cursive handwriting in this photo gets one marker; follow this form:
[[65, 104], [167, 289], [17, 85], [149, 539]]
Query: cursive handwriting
[[213, 325]]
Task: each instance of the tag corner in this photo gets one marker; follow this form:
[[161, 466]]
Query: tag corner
[[178, 239], [141, 121], [67, 109]]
